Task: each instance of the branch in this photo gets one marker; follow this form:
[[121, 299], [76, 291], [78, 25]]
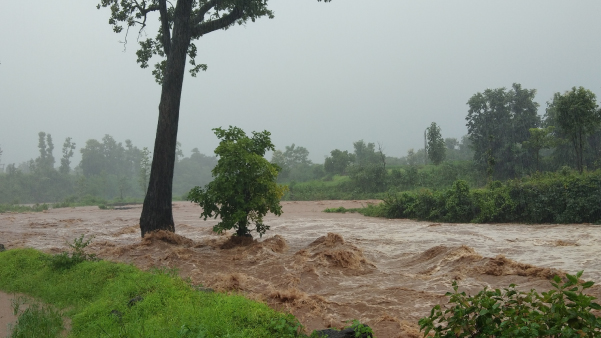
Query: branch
[[145, 10], [200, 15], [213, 25]]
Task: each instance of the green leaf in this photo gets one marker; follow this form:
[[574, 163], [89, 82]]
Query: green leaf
[[595, 306], [572, 279]]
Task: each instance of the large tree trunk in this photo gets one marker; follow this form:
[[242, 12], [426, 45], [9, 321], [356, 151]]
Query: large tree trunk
[[157, 212]]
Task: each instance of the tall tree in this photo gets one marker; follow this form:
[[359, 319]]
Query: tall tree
[[578, 117], [181, 24], [68, 148], [46, 159], [436, 144], [365, 153], [498, 121]]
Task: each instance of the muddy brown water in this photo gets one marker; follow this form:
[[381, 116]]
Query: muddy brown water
[[325, 268]]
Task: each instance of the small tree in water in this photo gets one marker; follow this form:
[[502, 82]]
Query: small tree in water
[[244, 187]]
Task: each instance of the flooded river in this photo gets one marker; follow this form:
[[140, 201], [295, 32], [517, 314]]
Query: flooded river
[[326, 268]]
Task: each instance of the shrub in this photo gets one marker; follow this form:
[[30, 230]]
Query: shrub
[[564, 311], [244, 188], [458, 204], [544, 198], [66, 260]]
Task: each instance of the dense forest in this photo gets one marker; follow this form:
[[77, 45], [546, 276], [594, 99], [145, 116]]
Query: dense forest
[[506, 140]]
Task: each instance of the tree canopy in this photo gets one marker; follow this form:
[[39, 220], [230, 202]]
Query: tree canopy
[[498, 121], [575, 112], [337, 163], [436, 144]]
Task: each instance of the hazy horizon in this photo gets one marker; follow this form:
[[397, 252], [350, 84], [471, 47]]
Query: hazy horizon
[[321, 76]]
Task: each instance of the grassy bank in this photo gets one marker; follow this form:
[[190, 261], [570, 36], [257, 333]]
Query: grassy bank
[[105, 299]]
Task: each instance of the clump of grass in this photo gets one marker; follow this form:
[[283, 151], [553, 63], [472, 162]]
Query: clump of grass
[[66, 260], [35, 320]]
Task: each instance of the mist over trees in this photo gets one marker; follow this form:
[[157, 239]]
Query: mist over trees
[[436, 145], [576, 117], [295, 164], [108, 170], [498, 121], [338, 161], [506, 140]]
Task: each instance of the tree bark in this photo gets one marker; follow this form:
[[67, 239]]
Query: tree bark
[[157, 211]]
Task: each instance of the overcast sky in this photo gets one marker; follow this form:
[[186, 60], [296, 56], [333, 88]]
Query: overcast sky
[[320, 75]]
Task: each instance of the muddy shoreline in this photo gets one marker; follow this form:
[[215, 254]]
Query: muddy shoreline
[[329, 268]]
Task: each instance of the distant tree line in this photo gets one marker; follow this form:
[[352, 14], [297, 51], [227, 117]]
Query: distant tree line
[[511, 140], [506, 139], [108, 169]]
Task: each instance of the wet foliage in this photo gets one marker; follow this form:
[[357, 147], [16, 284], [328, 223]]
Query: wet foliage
[[562, 197], [564, 311]]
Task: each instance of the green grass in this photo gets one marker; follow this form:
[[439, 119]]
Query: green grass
[[96, 296], [36, 320]]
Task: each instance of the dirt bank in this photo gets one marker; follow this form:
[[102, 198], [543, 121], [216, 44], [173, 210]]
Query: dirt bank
[[329, 268]]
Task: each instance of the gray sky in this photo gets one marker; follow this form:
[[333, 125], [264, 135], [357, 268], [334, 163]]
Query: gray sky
[[318, 75]]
